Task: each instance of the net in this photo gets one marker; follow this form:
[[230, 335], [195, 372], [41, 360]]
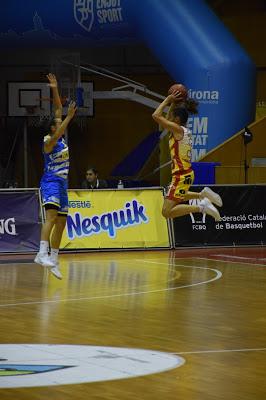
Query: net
[[34, 116], [37, 121]]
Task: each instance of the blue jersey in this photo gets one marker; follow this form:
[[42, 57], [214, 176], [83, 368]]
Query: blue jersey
[[56, 163]]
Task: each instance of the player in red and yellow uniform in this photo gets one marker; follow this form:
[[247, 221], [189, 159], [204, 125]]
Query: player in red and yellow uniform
[[180, 145]]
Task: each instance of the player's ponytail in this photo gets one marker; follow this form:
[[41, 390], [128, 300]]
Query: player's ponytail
[[191, 106], [182, 110]]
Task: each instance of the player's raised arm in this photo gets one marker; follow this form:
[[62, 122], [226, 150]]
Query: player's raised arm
[[173, 127], [169, 114], [56, 98], [52, 140]]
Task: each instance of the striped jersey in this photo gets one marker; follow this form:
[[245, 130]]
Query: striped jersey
[[56, 163], [181, 151]]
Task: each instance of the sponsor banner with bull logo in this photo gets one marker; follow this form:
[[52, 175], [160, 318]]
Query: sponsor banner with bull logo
[[19, 222]]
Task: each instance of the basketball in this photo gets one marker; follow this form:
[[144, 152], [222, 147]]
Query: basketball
[[178, 87]]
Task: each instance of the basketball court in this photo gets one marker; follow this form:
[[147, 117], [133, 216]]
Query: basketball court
[[157, 301], [203, 308]]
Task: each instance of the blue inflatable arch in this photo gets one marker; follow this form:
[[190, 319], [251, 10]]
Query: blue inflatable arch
[[188, 39]]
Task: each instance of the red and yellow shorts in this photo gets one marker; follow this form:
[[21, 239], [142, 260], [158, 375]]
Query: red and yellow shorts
[[181, 182]]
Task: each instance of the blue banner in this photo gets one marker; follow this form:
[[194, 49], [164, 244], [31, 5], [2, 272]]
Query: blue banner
[[19, 226], [186, 36]]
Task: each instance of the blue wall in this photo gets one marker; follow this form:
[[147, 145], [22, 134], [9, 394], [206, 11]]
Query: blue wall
[[186, 36]]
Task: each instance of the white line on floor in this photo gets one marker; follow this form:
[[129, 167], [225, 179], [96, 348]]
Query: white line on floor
[[238, 257], [221, 351], [217, 276], [229, 261]]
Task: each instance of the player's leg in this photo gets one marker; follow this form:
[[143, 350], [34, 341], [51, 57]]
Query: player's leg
[[178, 193], [59, 229], [173, 209], [187, 181], [42, 256], [50, 201], [205, 193], [55, 244], [173, 204], [215, 198], [192, 196], [51, 212]]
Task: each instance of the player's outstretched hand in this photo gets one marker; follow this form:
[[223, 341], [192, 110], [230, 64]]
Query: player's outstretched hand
[[71, 109], [52, 80]]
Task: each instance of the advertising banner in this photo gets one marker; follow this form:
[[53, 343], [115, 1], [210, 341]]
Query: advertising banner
[[243, 220], [115, 219], [19, 227]]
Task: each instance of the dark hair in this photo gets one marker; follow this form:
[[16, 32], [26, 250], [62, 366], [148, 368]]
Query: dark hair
[[94, 170], [191, 106], [46, 126], [183, 110], [182, 113]]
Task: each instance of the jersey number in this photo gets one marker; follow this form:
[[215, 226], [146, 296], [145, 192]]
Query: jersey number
[[187, 180]]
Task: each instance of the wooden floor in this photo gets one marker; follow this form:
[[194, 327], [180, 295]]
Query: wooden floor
[[207, 306]]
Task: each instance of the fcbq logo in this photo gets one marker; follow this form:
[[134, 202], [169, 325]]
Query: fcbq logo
[[198, 223], [205, 96], [83, 12], [86, 12], [8, 226]]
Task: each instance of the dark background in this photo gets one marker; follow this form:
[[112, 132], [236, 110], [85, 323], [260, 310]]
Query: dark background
[[117, 126]]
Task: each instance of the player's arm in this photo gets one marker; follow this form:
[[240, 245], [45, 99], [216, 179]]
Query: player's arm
[[173, 127], [58, 109], [169, 112], [51, 142]]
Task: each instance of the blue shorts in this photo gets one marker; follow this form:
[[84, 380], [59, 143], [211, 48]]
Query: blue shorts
[[54, 192]]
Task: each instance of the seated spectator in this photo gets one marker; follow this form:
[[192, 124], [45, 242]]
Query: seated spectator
[[92, 181]]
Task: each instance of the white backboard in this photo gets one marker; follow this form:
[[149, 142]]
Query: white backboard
[[88, 104], [34, 95]]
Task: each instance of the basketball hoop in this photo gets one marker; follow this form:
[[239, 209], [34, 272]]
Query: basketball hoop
[[31, 110]]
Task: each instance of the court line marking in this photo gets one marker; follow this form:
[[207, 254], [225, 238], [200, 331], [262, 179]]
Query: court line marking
[[96, 260], [239, 257], [128, 260], [84, 262], [221, 351], [177, 274], [232, 262], [217, 276], [62, 261]]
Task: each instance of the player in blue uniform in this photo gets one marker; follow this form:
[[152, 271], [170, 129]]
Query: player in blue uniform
[[54, 183]]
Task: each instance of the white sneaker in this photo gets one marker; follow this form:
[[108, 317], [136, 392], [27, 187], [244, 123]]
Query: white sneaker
[[44, 260], [212, 196], [209, 209], [56, 272]]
